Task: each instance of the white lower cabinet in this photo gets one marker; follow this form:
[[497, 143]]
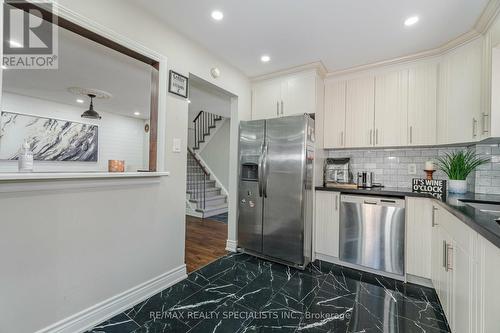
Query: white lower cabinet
[[487, 306], [327, 218], [418, 240], [465, 270], [463, 266]]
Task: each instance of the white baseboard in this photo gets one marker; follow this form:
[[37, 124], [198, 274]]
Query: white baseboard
[[231, 245], [96, 314]]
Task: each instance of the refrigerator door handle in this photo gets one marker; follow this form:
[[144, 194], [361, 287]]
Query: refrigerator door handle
[[260, 171], [264, 164]]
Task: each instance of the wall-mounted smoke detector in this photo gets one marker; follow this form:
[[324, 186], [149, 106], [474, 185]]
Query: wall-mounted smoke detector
[[215, 72]]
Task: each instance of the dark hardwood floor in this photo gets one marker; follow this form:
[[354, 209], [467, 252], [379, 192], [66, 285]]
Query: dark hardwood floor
[[205, 242]]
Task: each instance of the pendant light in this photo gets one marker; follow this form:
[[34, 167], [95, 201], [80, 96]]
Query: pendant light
[[91, 113]]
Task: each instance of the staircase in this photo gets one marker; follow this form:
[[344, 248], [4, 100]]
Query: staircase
[[204, 197]]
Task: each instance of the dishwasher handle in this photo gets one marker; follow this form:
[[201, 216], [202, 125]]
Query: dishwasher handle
[[373, 201], [367, 202]]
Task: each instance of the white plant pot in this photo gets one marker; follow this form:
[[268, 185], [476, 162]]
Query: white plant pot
[[457, 186]]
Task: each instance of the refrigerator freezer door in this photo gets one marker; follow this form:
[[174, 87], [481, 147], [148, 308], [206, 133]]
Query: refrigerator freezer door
[[250, 187], [283, 225]]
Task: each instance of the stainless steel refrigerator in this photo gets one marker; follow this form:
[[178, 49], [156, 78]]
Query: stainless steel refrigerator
[[276, 189]]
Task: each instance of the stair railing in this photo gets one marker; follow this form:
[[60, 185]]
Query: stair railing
[[203, 123], [197, 179]]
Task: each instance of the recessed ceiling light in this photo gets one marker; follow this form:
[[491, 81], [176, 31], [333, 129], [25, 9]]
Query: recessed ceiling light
[[81, 101], [411, 21], [265, 58], [136, 113], [217, 15], [189, 101], [13, 43]]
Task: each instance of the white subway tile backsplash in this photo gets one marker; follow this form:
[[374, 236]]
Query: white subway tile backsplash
[[390, 166]]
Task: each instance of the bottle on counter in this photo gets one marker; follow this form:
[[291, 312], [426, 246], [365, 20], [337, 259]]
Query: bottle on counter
[[25, 161]]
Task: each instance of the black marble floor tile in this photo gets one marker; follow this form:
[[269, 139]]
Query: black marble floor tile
[[199, 306], [212, 271], [302, 288], [374, 313], [118, 324], [275, 317], [425, 313], [328, 312], [163, 326], [407, 325], [241, 293], [161, 302], [260, 291], [242, 273], [229, 317]]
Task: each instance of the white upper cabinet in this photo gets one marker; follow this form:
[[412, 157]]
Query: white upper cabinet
[[266, 99], [299, 94], [422, 104], [459, 102], [360, 112], [285, 96], [334, 118], [391, 109], [440, 100]]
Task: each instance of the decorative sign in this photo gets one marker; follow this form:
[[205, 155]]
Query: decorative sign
[[178, 84], [435, 187]]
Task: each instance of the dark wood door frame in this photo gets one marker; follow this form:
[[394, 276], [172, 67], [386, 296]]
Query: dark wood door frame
[[93, 36]]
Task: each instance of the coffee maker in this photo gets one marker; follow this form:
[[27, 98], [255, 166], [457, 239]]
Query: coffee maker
[[337, 171]]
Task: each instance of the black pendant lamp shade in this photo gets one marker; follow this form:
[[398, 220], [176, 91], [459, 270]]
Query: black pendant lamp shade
[[91, 113]]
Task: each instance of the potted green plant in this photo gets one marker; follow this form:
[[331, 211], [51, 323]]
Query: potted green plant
[[457, 166]]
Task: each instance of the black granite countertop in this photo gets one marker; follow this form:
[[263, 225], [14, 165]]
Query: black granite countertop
[[376, 191], [483, 223]]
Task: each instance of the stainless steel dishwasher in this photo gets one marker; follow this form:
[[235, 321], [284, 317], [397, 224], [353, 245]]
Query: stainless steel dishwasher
[[372, 233]]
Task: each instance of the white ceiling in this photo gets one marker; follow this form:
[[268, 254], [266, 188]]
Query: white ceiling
[[83, 63], [340, 33]]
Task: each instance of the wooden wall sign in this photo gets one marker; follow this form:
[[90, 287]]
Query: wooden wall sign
[[435, 187], [178, 84]]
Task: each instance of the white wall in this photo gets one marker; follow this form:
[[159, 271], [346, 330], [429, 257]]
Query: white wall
[[184, 57], [216, 153], [206, 100], [63, 251], [120, 137], [63, 258]]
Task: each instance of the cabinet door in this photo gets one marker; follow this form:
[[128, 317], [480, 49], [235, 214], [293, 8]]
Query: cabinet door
[[419, 236], [440, 277], [299, 94], [360, 111], [422, 105], [459, 107], [391, 109], [461, 266], [488, 256], [334, 119], [327, 223], [266, 99]]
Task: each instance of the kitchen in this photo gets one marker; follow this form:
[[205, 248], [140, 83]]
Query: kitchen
[[406, 174], [363, 191]]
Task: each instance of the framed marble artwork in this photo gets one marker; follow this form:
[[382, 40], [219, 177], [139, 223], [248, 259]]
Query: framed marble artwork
[[50, 139]]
